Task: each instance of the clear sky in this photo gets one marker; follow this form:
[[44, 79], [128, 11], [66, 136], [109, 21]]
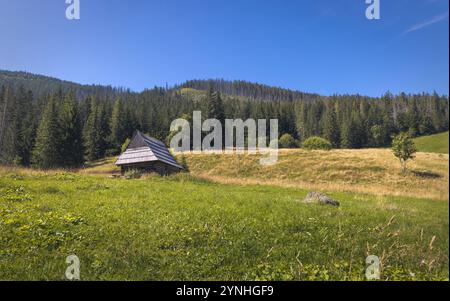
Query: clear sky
[[322, 46]]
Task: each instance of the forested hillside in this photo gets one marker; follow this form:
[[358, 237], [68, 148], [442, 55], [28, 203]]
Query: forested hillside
[[41, 85], [248, 90], [51, 123]]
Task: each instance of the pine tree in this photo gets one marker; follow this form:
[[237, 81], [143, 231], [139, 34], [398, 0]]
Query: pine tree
[[103, 129], [91, 132], [46, 151], [28, 129], [118, 126], [214, 105], [413, 119], [351, 134], [96, 131], [331, 128], [346, 136], [129, 123], [426, 126], [20, 129], [11, 136], [71, 150], [3, 110], [215, 109]]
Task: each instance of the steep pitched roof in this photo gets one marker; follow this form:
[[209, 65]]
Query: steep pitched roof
[[143, 148]]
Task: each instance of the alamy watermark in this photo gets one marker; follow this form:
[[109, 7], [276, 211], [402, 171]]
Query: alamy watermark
[[73, 10], [373, 271], [373, 10], [238, 136], [73, 270]]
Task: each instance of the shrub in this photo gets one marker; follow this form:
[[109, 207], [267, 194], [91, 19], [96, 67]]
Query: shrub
[[317, 143], [287, 141], [184, 163], [403, 148], [133, 174]]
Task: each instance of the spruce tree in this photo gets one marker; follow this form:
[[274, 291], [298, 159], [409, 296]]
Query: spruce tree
[[118, 130], [20, 129], [46, 151], [351, 134], [96, 131], [215, 110], [11, 134], [214, 106], [3, 110], [28, 129], [426, 126], [103, 129], [413, 119], [331, 128], [91, 133], [71, 150]]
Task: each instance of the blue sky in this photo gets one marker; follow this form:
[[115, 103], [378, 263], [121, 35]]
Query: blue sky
[[322, 46]]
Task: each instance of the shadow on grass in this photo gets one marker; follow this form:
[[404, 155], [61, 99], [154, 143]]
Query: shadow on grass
[[426, 174]]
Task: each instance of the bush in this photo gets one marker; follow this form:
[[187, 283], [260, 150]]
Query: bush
[[133, 174], [317, 143], [403, 148], [287, 141], [184, 163]]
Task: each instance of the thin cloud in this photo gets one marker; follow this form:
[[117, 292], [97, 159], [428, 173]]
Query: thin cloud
[[422, 25]]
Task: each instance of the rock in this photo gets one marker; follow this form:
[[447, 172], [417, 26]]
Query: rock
[[320, 198]]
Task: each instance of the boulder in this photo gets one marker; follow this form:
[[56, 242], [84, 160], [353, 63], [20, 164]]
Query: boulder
[[320, 198]]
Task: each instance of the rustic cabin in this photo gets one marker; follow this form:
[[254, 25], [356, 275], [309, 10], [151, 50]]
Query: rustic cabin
[[148, 154]]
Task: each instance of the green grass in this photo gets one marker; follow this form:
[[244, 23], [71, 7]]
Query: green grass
[[433, 144], [184, 228]]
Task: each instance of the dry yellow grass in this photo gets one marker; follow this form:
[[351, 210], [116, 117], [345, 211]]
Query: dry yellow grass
[[373, 171], [103, 167]]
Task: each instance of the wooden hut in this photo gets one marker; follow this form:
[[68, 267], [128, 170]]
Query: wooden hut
[[148, 154]]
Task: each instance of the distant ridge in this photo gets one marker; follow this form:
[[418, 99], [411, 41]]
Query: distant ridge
[[41, 84], [248, 90]]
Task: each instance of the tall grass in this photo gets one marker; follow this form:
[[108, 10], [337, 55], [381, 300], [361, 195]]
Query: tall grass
[[185, 228]]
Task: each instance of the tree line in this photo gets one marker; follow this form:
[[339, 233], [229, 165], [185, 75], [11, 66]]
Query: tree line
[[65, 128]]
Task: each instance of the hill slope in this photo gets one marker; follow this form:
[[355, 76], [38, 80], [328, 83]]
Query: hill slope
[[42, 85], [372, 171], [433, 144]]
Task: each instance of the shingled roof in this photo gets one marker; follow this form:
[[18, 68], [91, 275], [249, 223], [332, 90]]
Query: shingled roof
[[143, 148]]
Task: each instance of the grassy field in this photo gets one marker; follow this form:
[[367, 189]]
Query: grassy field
[[369, 171], [188, 227], [433, 144], [372, 171]]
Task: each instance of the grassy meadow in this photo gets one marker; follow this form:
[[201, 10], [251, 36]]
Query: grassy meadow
[[218, 224], [433, 144], [372, 171]]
